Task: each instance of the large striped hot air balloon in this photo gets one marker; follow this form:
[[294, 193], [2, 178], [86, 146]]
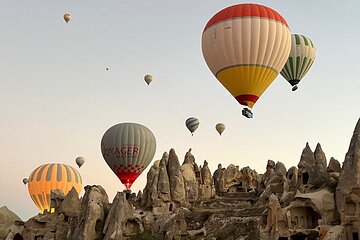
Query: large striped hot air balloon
[[246, 46], [50, 177], [128, 148], [302, 56]]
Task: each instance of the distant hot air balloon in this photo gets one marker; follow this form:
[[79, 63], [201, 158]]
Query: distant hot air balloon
[[80, 161], [302, 56], [148, 79], [192, 124], [246, 46], [128, 148], [107, 69], [50, 177], [25, 181], [220, 127], [67, 17]]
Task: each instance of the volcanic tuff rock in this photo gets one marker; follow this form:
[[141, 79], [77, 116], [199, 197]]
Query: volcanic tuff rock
[[177, 188], [121, 220], [7, 220], [188, 202]]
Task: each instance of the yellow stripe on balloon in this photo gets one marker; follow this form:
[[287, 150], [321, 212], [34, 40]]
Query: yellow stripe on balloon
[[252, 80]]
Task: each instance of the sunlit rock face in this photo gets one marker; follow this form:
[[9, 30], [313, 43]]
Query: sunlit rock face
[[311, 201]]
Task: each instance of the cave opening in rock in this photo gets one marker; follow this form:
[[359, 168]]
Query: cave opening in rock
[[291, 176], [355, 236], [298, 237], [170, 207], [98, 225], [18, 237], [283, 238], [305, 178]]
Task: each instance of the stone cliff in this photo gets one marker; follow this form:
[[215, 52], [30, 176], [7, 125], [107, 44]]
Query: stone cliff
[[313, 200]]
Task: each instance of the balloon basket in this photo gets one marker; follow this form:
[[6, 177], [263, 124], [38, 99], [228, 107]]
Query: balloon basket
[[294, 88], [247, 113]]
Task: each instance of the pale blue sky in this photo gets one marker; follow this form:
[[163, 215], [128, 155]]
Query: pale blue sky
[[57, 100]]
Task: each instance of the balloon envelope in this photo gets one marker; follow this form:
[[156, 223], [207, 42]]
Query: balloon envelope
[[148, 79], [80, 161], [49, 177], [220, 127], [246, 46], [128, 148], [192, 124], [67, 17], [301, 58]]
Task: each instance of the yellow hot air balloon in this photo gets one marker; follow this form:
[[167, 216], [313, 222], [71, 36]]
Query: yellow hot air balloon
[[67, 17], [246, 46], [50, 177]]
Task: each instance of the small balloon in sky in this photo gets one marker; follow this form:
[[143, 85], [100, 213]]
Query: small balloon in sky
[[107, 69], [80, 161], [25, 181], [67, 17], [220, 127], [192, 124], [148, 78]]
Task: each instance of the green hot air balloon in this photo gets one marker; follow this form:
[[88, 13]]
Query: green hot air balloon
[[192, 124], [128, 149], [301, 58]]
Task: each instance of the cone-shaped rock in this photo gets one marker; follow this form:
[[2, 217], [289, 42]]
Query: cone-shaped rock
[[349, 180], [177, 187], [334, 165], [121, 221], [163, 185]]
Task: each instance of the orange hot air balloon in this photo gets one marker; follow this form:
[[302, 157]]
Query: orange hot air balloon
[[49, 177], [246, 46], [128, 149]]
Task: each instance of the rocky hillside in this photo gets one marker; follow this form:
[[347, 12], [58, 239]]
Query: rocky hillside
[[313, 200]]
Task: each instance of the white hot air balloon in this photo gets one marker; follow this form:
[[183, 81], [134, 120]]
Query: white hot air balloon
[[80, 161], [128, 149]]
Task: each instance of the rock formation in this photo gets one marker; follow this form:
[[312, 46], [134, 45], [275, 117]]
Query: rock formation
[[313, 201]]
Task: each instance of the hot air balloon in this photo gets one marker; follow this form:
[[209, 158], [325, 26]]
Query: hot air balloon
[[128, 148], [192, 124], [302, 56], [220, 127], [148, 79], [67, 17], [25, 181], [49, 177], [246, 46], [80, 161]]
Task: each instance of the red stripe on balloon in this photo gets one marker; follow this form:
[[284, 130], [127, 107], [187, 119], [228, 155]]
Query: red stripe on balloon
[[244, 98], [128, 178], [245, 10]]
